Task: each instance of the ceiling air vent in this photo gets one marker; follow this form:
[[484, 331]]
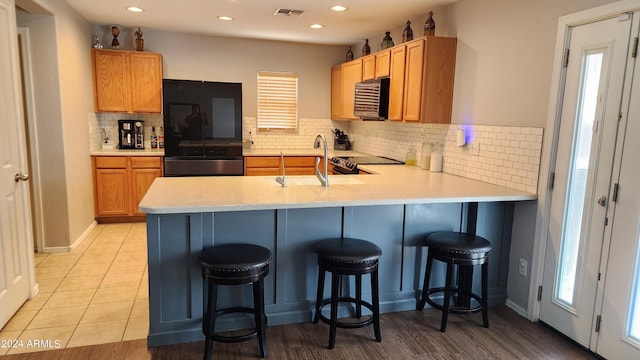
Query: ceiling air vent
[[288, 12]]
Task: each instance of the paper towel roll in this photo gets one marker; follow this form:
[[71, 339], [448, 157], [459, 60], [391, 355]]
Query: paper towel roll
[[460, 140]]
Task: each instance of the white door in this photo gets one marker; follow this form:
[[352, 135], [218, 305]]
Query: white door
[[619, 336], [14, 208], [584, 161]]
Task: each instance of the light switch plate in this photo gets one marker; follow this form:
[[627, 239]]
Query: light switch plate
[[474, 148]]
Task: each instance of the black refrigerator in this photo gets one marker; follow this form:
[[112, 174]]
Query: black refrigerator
[[202, 128]]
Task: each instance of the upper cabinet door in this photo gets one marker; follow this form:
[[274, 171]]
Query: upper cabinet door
[[146, 82], [336, 92], [111, 80], [368, 67], [396, 85], [413, 81], [351, 74], [127, 81], [383, 60]]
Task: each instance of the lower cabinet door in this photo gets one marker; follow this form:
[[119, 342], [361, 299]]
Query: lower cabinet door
[[142, 180], [112, 192]]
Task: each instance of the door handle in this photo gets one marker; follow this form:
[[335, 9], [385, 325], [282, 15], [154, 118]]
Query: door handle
[[603, 200], [21, 177]]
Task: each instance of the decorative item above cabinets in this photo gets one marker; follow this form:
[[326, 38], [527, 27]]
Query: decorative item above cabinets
[[126, 81], [387, 41]]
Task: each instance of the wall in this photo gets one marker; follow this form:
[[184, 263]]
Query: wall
[[63, 97]]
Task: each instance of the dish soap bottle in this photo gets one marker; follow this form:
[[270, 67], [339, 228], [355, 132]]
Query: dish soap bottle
[[410, 158], [154, 138]]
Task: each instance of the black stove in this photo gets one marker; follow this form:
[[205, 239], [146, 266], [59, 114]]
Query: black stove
[[349, 164]]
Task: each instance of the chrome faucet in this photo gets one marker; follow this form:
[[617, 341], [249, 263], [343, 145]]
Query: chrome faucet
[[322, 176], [282, 180]]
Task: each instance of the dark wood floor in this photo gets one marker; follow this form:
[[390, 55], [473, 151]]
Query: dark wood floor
[[405, 335]]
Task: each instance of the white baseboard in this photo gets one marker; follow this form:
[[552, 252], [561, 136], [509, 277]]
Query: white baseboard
[[513, 306], [75, 244]]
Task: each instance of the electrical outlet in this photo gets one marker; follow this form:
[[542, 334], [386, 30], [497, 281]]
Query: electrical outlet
[[474, 148], [522, 269]]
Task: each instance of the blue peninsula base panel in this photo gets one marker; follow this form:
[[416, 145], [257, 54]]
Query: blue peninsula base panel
[[177, 291]]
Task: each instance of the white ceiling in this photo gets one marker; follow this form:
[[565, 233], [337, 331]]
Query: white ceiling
[[255, 19]]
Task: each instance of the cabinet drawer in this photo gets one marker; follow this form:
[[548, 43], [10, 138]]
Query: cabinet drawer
[[146, 162], [298, 161], [262, 161], [111, 162], [262, 171]]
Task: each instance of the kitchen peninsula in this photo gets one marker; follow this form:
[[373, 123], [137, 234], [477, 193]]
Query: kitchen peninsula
[[393, 207]]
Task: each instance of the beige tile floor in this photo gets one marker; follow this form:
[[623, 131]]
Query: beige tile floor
[[95, 294]]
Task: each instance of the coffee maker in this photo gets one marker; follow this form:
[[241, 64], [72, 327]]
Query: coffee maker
[[130, 134]]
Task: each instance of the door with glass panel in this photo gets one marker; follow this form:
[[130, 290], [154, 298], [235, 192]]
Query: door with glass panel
[[593, 91], [619, 336]]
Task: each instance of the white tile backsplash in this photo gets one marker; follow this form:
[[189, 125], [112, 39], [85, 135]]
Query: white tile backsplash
[[109, 122], [308, 129], [508, 156]]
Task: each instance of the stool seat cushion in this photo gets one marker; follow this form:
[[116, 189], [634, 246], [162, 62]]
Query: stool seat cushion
[[347, 250], [458, 244], [235, 258]]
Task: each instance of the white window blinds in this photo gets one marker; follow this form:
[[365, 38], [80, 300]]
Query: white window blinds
[[277, 102]]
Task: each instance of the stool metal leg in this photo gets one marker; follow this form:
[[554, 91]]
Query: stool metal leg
[[447, 297], [258, 305], [319, 294], [375, 300], [334, 309], [485, 293], [209, 324], [358, 296], [425, 286]]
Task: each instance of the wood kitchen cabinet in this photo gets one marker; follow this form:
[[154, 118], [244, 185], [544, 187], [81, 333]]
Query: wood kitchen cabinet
[[413, 65], [119, 184], [421, 74], [368, 67], [127, 81], [429, 66], [343, 83], [396, 83], [383, 62], [270, 165], [336, 92]]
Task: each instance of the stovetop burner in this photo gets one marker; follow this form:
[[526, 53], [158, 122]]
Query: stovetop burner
[[349, 164]]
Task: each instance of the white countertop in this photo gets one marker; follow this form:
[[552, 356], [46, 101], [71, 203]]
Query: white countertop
[[118, 152], [300, 152], [387, 185]]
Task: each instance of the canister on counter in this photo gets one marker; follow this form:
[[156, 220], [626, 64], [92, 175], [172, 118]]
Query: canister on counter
[[425, 156], [435, 165]]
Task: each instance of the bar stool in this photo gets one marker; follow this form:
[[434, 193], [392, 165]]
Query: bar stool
[[464, 250], [347, 257], [235, 264]]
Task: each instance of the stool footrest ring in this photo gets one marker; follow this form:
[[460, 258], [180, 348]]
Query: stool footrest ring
[[236, 338], [346, 325], [453, 309]]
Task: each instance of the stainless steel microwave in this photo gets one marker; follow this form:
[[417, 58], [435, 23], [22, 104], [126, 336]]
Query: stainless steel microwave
[[371, 100]]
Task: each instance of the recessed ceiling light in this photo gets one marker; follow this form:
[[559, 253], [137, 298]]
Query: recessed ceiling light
[[338, 8], [135, 9], [316, 26], [225, 18]]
